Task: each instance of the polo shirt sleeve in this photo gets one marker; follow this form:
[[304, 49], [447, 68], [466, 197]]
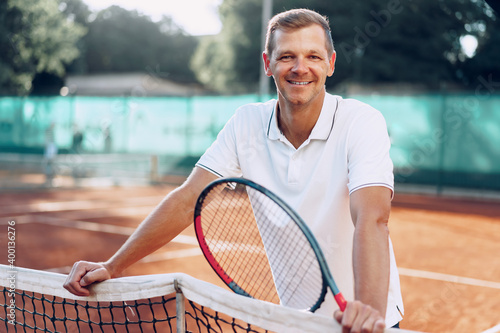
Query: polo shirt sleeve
[[369, 162], [221, 157]]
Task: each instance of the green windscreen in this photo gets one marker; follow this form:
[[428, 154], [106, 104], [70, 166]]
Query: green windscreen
[[451, 139]]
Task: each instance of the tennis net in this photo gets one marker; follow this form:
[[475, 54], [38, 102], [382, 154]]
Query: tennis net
[[34, 301]]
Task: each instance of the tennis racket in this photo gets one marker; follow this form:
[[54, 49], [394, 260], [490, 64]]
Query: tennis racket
[[260, 247]]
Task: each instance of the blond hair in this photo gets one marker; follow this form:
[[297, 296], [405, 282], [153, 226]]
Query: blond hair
[[296, 19]]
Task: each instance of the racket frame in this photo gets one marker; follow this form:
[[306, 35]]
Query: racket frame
[[325, 270]]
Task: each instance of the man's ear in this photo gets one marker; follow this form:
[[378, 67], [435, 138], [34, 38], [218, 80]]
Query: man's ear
[[267, 62], [332, 63]]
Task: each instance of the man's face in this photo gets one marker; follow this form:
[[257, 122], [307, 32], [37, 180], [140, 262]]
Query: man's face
[[300, 64]]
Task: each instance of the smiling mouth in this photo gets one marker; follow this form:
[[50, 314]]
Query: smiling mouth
[[299, 83]]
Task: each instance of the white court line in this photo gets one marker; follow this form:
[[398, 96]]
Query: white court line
[[61, 270], [196, 251], [83, 225], [190, 240], [495, 329], [97, 227], [78, 205], [221, 246], [108, 212], [155, 257], [448, 278]]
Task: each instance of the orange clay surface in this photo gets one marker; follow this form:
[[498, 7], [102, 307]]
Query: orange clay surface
[[448, 250]]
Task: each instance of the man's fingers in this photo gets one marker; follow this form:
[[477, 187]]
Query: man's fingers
[[359, 317], [379, 326], [72, 283], [84, 274], [372, 324], [350, 316], [338, 316], [94, 275], [74, 287]]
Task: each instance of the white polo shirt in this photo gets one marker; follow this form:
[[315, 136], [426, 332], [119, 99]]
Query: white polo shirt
[[348, 149]]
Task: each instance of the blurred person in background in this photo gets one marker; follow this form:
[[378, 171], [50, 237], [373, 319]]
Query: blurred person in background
[[77, 145], [50, 154]]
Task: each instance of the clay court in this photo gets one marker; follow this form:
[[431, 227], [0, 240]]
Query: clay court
[[446, 248]]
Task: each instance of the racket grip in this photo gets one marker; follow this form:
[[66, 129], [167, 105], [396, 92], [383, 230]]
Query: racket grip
[[342, 303]]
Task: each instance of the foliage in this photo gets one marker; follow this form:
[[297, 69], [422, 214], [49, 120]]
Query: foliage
[[417, 42], [35, 37], [483, 70], [126, 41], [386, 41], [231, 62], [77, 11], [376, 41]]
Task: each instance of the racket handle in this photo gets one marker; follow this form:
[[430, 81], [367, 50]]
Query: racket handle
[[341, 301]]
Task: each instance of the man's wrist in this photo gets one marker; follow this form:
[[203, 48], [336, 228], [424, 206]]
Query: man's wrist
[[111, 268]]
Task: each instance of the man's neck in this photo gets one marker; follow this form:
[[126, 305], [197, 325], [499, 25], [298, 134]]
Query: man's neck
[[296, 122]]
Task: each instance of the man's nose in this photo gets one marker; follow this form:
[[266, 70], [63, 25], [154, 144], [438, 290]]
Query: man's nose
[[300, 66]]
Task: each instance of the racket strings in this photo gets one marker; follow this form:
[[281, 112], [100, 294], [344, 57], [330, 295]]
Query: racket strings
[[260, 247], [235, 242], [296, 271]]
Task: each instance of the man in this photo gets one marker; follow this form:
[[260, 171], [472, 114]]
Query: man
[[326, 156]]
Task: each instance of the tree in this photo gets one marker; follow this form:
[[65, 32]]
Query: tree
[[230, 62], [376, 41], [125, 41], [79, 12], [35, 37], [483, 70], [407, 41]]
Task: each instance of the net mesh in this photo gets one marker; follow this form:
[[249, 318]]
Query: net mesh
[[34, 301], [34, 311], [53, 314]]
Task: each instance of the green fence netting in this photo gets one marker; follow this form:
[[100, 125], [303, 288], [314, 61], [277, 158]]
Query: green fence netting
[[439, 139]]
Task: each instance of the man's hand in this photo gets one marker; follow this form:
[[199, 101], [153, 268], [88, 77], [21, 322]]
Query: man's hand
[[83, 274], [360, 318]]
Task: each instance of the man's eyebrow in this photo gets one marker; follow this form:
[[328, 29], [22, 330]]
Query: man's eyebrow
[[289, 51], [315, 51], [282, 51]]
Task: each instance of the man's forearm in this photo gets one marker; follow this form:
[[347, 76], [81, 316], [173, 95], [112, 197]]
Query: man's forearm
[[165, 222], [372, 266], [370, 210]]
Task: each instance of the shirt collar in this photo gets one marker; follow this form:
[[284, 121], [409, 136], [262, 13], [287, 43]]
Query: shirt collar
[[322, 128], [273, 132]]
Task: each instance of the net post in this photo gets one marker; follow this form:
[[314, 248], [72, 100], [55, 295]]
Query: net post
[[180, 308]]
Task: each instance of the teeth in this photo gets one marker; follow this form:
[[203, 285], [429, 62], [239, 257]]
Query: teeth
[[299, 83]]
